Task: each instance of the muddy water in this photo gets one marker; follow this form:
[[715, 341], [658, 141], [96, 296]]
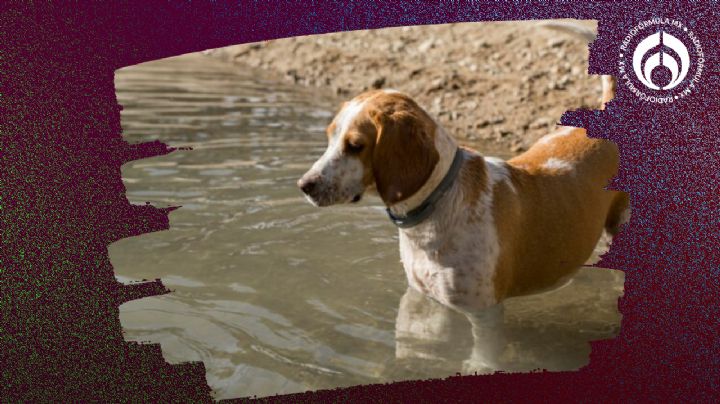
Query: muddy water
[[274, 295]]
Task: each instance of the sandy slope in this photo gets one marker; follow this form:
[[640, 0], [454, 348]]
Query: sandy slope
[[502, 84]]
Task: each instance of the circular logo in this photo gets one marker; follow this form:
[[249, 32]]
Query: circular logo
[[661, 60]]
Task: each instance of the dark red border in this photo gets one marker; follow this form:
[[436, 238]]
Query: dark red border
[[63, 201]]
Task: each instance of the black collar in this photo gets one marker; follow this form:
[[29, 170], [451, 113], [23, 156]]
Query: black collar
[[421, 213]]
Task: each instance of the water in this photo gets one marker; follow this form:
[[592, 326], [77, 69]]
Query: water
[[274, 295]]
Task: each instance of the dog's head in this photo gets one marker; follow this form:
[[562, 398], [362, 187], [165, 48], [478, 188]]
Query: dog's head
[[380, 140]]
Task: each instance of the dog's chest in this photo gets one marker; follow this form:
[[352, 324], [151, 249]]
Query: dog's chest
[[455, 266]]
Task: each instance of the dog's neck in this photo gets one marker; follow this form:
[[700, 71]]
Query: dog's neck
[[446, 147]]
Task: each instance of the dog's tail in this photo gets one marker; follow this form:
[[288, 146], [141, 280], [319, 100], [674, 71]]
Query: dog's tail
[[609, 83]]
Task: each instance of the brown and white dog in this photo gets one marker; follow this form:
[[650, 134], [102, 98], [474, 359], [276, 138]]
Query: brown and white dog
[[497, 228]]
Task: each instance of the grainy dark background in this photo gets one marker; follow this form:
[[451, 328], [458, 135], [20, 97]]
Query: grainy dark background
[[63, 202]]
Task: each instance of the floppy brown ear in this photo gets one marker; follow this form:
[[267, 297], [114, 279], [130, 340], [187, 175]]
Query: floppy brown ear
[[404, 155]]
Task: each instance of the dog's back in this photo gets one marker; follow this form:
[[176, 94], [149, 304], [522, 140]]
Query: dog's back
[[553, 227], [561, 212]]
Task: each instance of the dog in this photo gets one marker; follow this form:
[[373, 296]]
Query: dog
[[473, 230]]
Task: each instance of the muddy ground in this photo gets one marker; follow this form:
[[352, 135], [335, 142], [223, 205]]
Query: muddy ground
[[499, 84]]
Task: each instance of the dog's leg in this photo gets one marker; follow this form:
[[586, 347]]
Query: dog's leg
[[489, 340], [426, 329]]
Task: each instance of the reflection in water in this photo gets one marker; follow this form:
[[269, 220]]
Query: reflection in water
[[424, 327], [276, 296], [523, 334]]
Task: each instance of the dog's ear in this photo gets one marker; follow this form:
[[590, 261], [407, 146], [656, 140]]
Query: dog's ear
[[404, 155]]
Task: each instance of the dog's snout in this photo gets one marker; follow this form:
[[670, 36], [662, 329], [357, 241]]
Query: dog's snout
[[307, 185]]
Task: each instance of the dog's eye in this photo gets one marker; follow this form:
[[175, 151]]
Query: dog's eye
[[353, 147]]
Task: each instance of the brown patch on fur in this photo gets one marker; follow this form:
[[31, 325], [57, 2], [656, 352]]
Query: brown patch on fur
[[473, 179], [598, 156], [404, 155], [551, 225], [506, 212]]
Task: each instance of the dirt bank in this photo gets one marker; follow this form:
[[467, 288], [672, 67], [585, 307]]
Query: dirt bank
[[502, 84]]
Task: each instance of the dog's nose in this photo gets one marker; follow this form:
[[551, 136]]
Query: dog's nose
[[307, 185]]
